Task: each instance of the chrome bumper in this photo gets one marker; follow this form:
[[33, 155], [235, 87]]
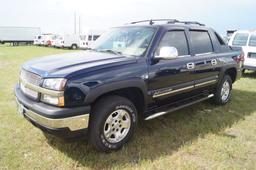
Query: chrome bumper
[[73, 123]]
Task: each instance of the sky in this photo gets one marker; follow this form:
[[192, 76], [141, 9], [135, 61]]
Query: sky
[[57, 16]]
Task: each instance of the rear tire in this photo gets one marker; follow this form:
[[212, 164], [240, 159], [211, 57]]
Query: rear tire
[[112, 123], [73, 46], [223, 93]]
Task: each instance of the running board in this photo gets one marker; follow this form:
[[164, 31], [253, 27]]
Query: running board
[[177, 108]]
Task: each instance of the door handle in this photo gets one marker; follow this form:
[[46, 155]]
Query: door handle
[[190, 66], [214, 62]]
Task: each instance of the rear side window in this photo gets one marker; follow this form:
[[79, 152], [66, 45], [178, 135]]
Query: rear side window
[[240, 39], [201, 42], [252, 41], [175, 39], [219, 39]]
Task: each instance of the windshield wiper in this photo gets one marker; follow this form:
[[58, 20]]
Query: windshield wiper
[[110, 51]]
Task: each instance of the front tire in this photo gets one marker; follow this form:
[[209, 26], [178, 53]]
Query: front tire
[[223, 93], [112, 123]]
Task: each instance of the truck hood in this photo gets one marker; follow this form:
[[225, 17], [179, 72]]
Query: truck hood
[[65, 65]]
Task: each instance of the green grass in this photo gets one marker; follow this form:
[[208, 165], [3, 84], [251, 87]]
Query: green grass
[[203, 136]]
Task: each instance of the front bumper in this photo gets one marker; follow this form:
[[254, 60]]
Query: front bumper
[[63, 122]]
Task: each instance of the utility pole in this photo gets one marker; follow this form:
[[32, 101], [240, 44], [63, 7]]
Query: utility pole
[[75, 23], [79, 25]]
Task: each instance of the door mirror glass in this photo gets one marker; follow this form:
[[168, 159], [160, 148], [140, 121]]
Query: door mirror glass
[[167, 53]]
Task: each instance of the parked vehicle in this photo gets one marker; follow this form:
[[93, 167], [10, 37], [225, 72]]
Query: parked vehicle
[[37, 40], [44, 39], [18, 35], [68, 41], [55, 40], [142, 70], [246, 40], [47, 39], [89, 38]]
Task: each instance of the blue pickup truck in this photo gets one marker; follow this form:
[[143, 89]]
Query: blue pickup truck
[[138, 71]]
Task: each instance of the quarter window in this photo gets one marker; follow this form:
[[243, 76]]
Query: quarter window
[[175, 39], [201, 42]]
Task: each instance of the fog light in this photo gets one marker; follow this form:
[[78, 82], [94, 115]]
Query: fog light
[[58, 101]]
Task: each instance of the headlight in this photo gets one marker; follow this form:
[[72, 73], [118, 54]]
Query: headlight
[[55, 83]]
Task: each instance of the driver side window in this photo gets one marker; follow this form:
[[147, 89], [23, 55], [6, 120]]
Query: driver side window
[[175, 39]]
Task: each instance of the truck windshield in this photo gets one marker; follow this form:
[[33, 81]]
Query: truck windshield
[[240, 39], [132, 41]]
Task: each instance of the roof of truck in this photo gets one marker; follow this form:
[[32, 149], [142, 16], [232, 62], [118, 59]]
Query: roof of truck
[[168, 23]]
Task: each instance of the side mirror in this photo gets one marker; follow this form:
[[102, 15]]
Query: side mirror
[[167, 53]]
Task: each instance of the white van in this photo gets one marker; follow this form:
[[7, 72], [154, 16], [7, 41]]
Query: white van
[[54, 40], [37, 40], [87, 40], [47, 39], [44, 39], [246, 40], [68, 41]]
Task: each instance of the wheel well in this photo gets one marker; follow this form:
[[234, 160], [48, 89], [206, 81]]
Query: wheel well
[[232, 73], [134, 94]]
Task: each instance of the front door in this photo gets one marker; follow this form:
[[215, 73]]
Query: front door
[[174, 76]]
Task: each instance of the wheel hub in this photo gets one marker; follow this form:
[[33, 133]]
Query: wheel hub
[[117, 126], [225, 91]]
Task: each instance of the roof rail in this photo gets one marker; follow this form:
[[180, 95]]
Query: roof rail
[[151, 21], [188, 23], [169, 21]]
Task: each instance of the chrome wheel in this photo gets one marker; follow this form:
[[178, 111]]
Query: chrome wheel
[[225, 91], [117, 126]]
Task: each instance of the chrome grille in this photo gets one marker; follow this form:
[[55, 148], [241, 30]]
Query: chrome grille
[[30, 77]]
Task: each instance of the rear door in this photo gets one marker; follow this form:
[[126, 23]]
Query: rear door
[[250, 52], [207, 65]]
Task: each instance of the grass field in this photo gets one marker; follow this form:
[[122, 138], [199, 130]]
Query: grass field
[[203, 136]]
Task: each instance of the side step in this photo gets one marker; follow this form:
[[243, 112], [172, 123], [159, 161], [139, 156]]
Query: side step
[[178, 107]]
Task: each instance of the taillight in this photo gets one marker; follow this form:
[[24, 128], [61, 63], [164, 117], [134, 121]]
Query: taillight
[[242, 56], [239, 58]]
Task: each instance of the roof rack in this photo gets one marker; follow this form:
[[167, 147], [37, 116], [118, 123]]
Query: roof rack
[[188, 23], [151, 21], [169, 21]]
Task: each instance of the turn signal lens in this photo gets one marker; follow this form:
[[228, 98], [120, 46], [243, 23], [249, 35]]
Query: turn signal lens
[[61, 101]]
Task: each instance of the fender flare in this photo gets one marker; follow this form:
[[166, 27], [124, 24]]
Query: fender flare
[[96, 92]]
